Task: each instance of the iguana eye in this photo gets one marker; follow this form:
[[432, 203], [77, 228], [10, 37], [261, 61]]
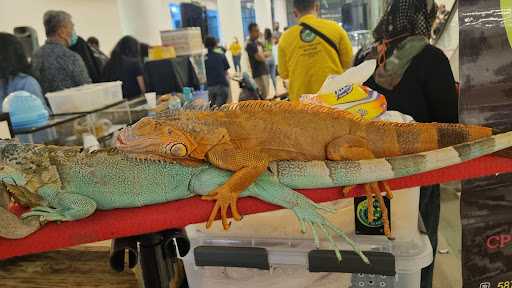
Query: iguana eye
[[178, 150]]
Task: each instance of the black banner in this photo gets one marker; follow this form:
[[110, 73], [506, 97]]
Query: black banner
[[486, 99]]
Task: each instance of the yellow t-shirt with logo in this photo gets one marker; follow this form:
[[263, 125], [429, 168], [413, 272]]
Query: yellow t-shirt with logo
[[235, 49], [307, 60]]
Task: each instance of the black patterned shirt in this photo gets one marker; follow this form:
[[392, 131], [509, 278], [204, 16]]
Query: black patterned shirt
[[58, 68]]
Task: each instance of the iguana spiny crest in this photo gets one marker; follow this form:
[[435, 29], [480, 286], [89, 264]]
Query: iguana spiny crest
[[246, 137]]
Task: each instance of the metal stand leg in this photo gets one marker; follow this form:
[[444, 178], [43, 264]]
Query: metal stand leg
[[156, 255], [154, 265]]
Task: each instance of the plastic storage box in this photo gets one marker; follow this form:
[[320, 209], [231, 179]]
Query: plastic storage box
[[267, 250], [85, 98]]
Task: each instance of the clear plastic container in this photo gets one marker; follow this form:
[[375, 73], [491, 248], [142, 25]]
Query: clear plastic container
[[85, 98], [278, 233]]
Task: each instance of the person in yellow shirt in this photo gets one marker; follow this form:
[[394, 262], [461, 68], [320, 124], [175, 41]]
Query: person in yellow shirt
[[236, 53], [311, 51]]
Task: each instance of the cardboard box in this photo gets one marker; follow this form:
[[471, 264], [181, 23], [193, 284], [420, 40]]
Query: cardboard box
[[186, 41]]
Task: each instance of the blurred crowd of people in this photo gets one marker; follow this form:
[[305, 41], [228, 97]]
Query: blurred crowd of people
[[66, 60], [272, 53]]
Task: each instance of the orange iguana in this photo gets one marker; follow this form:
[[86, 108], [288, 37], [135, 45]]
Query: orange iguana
[[246, 137]]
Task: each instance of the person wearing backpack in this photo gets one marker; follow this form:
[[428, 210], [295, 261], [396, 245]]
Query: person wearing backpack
[[312, 50]]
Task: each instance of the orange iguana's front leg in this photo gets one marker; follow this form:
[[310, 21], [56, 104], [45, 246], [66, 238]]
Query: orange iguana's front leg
[[356, 148], [248, 166]]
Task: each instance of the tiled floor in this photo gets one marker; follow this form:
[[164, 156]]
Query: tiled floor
[[81, 267], [235, 89], [448, 272]]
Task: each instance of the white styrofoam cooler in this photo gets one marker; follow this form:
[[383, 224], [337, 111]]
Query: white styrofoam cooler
[[279, 234], [85, 98]]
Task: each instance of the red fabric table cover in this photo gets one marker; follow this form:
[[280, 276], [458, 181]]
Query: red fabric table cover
[[119, 223]]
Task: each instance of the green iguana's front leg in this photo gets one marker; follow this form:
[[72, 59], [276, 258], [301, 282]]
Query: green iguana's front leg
[[270, 190], [62, 206], [13, 228]]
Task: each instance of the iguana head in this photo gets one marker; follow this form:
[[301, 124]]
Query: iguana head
[[15, 184], [24, 169], [12, 186], [11, 176], [10, 180], [153, 139]]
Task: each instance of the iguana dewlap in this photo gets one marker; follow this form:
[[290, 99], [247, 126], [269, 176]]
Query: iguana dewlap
[[246, 137]]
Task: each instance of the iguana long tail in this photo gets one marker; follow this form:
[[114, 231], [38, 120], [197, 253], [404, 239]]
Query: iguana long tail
[[320, 174], [389, 139]]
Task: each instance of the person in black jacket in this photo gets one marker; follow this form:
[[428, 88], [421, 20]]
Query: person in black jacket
[[417, 80], [91, 62], [125, 65], [100, 57], [217, 75], [415, 77]]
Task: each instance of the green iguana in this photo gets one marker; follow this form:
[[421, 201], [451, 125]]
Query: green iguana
[[246, 137], [66, 184]]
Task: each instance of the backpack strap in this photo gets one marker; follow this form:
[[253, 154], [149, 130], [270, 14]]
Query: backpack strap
[[323, 37]]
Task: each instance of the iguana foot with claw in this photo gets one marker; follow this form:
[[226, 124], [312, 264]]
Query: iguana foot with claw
[[309, 216], [224, 200], [13, 228], [372, 191]]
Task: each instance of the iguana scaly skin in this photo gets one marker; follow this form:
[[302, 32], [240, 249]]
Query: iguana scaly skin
[[246, 137], [65, 184]]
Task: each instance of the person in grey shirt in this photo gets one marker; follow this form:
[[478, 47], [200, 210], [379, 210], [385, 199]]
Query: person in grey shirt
[[54, 65]]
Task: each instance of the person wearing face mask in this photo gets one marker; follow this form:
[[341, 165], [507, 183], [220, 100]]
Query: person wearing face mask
[[54, 64], [312, 50], [417, 80], [415, 77]]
